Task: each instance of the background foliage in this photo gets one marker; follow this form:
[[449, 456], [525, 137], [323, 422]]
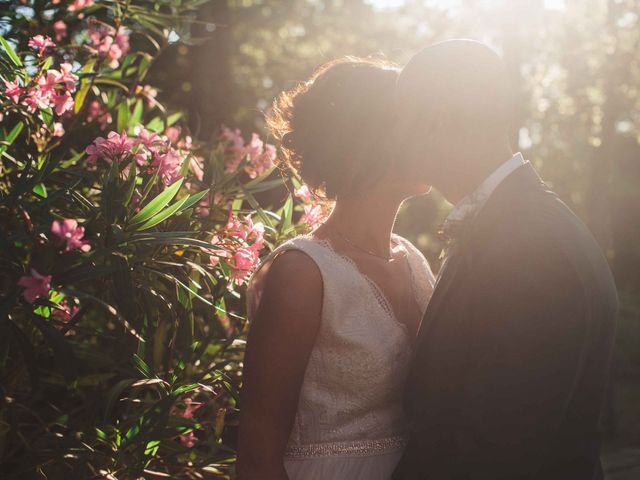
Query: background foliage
[[146, 385], [125, 245]]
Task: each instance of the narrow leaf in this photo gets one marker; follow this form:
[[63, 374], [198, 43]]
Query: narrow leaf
[[123, 116], [11, 52], [10, 138], [157, 204], [163, 215], [193, 199]]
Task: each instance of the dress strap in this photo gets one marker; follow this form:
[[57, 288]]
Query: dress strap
[[423, 279]]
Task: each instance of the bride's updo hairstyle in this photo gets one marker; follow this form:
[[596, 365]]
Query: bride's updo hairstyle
[[334, 128]]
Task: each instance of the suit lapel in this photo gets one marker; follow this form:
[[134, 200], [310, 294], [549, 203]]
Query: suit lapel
[[523, 177], [445, 279]]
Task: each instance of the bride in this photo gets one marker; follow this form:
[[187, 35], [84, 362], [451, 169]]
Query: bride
[[334, 314]]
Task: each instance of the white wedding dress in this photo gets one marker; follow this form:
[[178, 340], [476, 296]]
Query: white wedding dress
[[350, 424]]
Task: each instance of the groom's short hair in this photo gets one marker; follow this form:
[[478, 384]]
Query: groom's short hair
[[456, 83]]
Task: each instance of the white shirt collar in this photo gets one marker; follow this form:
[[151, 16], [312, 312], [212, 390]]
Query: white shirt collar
[[474, 201]]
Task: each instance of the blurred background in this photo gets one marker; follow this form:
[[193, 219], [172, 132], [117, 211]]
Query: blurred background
[[575, 65]]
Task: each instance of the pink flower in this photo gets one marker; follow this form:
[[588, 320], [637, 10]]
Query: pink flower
[[244, 261], [173, 134], [35, 286], [312, 215], [255, 146], [169, 164], [96, 112], [254, 233], [36, 99], [262, 162], [58, 130], [54, 80], [107, 42], [190, 407], [247, 230], [115, 148], [63, 102], [261, 156], [66, 76], [54, 88], [188, 439], [239, 246], [60, 30], [79, 5], [69, 232], [13, 90], [41, 43], [234, 149], [47, 83], [303, 193], [151, 140]]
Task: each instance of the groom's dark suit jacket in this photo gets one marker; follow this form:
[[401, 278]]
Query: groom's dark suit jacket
[[513, 355]]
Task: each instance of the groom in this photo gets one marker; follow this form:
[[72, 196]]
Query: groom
[[513, 354]]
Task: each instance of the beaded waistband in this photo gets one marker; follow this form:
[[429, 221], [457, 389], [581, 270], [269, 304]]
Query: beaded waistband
[[357, 448]]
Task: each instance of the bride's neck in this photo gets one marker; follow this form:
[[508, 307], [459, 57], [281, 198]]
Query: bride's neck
[[365, 220]]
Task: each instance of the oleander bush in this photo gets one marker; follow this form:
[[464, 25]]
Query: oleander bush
[[125, 246]]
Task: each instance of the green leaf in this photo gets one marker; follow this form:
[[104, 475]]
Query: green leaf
[[287, 213], [110, 81], [142, 366], [145, 61], [193, 199], [185, 389], [47, 116], [157, 204], [100, 434], [40, 190], [123, 116], [133, 431], [114, 394], [47, 64], [163, 215], [10, 52], [85, 85], [137, 113], [131, 183], [127, 61], [256, 206], [152, 448], [155, 125], [10, 138], [173, 118], [158, 124]]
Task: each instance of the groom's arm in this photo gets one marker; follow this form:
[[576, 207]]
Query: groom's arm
[[527, 330]]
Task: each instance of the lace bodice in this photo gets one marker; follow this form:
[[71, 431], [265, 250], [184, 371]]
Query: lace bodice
[[351, 397]]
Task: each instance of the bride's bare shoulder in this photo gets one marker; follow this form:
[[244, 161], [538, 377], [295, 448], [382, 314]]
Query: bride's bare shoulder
[[286, 280]]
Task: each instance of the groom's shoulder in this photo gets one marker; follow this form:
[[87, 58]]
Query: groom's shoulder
[[526, 212], [534, 221]]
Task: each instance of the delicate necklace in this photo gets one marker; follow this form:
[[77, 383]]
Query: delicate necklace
[[362, 249]]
